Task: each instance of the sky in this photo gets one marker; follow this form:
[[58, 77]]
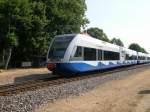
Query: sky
[[128, 20]]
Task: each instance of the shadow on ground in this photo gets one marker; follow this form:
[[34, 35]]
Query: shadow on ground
[[33, 77], [144, 92]]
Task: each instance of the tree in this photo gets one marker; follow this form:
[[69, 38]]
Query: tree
[[98, 33], [8, 12], [65, 16], [16, 20], [117, 42], [143, 50], [10, 41], [47, 19], [136, 47], [36, 22]]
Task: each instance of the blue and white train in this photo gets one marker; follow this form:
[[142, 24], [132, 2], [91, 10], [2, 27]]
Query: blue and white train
[[78, 53]]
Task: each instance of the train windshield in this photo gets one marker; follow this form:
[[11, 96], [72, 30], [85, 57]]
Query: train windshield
[[59, 47]]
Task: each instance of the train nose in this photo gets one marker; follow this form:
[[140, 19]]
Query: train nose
[[51, 66]]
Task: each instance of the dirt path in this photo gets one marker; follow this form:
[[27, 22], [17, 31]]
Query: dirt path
[[131, 94], [20, 75]]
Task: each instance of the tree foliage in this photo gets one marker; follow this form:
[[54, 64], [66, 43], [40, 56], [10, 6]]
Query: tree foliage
[[98, 33], [117, 42], [66, 16], [36, 22], [11, 40], [136, 47]]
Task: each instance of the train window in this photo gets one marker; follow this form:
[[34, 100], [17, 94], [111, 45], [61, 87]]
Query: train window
[[135, 57], [141, 58], [78, 52], [127, 57], [132, 57], [109, 55], [89, 54], [100, 55], [59, 47]]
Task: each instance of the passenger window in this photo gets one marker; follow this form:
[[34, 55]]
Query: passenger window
[[89, 54], [127, 56], [78, 52], [141, 58], [109, 55], [100, 55], [135, 57], [132, 57]]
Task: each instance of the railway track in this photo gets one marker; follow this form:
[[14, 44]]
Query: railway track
[[13, 89]]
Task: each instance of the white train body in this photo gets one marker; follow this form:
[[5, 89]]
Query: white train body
[[77, 53]]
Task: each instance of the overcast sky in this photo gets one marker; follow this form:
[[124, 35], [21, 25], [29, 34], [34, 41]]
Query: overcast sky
[[128, 20]]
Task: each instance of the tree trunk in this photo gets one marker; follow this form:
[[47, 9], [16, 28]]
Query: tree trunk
[[3, 57], [8, 59]]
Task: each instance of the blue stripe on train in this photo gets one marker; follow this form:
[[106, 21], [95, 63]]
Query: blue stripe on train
[[84, 67]]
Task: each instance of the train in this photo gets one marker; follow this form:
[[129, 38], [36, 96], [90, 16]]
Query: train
[[81, 53]]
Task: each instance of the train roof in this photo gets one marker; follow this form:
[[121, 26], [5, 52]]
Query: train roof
[[142, 54], [129, 51], [109, 46], [89, 41]]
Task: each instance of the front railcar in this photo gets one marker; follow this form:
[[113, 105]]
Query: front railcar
[[57, 50]]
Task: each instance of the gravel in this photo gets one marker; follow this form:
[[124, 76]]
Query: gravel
[[31, 100]]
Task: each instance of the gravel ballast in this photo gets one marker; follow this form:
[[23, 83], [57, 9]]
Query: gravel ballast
[[29, 101]]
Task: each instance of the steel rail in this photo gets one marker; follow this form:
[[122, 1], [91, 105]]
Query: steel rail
[[13, 89]]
